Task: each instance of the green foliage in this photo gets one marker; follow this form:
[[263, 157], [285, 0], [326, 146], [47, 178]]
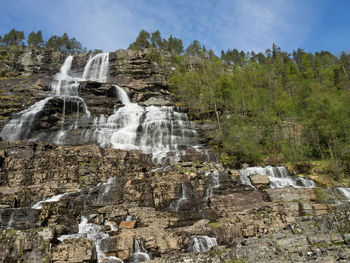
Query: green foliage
[[155, 40], [62, 43], [35, 39], [142, 41], [14, 37], [272, 107]]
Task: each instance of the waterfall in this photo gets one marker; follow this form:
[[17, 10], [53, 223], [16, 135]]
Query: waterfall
[[54, 198], [107, 187], [161, 131], [21, 126], [139, 255], [278, 176], [344, 192], [175, 205], [164, 132], [93, 232], [96, 68], [203, 243], [214, 183], [11, 221], [63, 84], [122, 95]]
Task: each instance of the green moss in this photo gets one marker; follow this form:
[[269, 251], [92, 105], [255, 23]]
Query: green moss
[[297, 200], [214, 224]]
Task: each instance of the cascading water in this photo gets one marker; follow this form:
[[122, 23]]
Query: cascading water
[[278, 176], [21, 126], [51, 199], [63, 86], [203, 243], [139, 255], [345, 193], [215, 183], [11, 221], [176, 204], [163, 131], [96, 68], [93, 232]]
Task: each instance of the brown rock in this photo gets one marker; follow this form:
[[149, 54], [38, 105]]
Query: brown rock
[[75, 250], [127, 224]]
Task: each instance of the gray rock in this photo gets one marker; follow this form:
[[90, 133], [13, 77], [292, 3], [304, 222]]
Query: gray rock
[[346, 237], [156, 101]]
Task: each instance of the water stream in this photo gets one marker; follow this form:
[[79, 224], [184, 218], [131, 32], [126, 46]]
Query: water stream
[[140, 254], [164, 132], [203, 243], [176, 204], [279, 177]]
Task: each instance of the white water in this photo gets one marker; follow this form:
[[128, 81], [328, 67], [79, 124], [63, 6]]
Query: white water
[[163, 132], [278, 176], [176, 204], [93, 232], [54, 198], [345, 192], [21, 126], [11, 221], [96, 68], [215, 183], [139, 255], [64, 86], [155, 130], [203, 243], [107, 186]]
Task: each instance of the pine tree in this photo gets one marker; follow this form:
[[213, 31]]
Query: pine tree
[[35, 39]]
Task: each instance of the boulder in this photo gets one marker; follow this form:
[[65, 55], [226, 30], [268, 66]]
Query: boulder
[[156, 101], [258, 179], [127, 224], [75, 250]]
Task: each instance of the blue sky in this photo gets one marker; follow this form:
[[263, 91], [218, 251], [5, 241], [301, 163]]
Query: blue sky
[[313, 25]]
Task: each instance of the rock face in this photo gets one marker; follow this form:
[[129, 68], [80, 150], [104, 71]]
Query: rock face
[[160, 209], [82, 203], [259, 180], [75, 250]]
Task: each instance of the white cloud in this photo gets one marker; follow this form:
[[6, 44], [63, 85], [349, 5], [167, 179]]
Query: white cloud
[[221, 24]]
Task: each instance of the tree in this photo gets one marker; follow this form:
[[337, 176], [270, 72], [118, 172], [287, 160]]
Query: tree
[[35, 39], [52, 43], [194, 48], [156, 40], [141, 42], [175, 45], [64, 44], [14, 37]]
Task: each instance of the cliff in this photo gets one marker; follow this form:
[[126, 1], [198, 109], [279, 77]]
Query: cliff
[[75, 200]]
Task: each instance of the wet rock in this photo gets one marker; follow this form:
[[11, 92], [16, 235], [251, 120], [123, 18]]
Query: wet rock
[[259, 180], [26, 246], [75, 250], [346, 237]]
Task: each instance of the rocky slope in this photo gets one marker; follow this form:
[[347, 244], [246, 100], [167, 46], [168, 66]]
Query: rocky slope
[[84, 203]]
